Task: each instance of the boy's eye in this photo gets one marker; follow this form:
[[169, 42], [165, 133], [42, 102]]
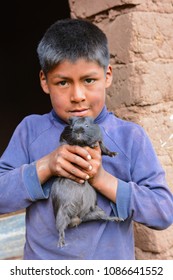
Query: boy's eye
[[89, 81], [63, 83]]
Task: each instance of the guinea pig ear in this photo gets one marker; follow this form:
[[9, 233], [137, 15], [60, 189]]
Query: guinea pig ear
[[72, 120], [90, 120]]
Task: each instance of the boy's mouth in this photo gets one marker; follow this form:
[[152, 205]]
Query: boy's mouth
[[79, 112]]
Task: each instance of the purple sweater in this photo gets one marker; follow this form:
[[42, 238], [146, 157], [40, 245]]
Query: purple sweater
[[142, 196]]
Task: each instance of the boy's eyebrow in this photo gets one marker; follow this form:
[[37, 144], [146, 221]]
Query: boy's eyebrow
[[61, 76], [90, 74]]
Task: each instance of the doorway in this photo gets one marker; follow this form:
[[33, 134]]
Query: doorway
[[22, 26]]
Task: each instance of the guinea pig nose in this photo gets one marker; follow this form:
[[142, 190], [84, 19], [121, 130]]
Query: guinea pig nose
[[79, 130]]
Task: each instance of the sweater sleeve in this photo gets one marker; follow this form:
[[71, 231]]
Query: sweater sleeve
[[145, 197], [19, 184], [19, 188]]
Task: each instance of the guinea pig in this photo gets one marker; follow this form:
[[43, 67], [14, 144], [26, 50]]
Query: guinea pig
[[74, 203], [83, 131]]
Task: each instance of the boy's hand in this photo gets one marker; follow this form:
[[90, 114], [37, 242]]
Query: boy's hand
[[79, 164], [96, 163], [68, 161], [100, 179]]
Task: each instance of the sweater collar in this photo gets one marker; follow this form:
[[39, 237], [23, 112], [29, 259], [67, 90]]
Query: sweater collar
[[99, 119]]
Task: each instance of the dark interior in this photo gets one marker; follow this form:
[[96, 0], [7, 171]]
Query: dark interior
[[22, 26]]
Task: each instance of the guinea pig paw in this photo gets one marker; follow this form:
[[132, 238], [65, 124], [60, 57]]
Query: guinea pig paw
[[61, 243]]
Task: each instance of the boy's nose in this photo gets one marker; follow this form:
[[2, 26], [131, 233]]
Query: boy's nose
[[78, 94]]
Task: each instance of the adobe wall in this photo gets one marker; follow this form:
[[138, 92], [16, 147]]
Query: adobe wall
[[141, 44]]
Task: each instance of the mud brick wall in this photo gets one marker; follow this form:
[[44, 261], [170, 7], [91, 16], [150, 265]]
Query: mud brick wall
[[140, 35]]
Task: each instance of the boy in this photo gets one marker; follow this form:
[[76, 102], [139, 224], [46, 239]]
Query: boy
[[75, 72]]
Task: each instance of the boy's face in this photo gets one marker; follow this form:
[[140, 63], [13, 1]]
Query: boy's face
[[77, 89]]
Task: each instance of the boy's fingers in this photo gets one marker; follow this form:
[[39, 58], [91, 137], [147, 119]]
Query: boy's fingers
[[65, 168], [80, 151], [73, 162], [71, 175], [94, 152], [75, 155]]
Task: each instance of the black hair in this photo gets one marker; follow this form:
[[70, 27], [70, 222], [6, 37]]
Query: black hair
[[71, 39]]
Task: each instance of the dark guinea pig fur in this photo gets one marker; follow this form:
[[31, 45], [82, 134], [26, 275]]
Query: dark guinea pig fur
[[74, 203], [84, 132]]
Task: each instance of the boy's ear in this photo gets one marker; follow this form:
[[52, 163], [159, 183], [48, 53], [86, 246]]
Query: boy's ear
[[109, 76], [43, 82]]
